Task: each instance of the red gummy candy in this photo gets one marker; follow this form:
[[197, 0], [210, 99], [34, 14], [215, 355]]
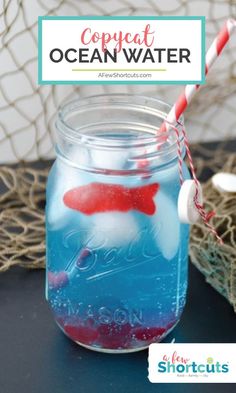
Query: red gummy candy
[[84, 334], [99, 197], [57, 280], [60, 321], [170, 325], [114, 336], [147, 334]]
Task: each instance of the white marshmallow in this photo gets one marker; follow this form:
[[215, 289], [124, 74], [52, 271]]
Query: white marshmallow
[[224, 182]]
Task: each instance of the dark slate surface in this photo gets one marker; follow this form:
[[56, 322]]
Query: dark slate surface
[[35, 357]]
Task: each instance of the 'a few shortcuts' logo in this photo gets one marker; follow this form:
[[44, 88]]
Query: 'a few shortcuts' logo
[[192, 363]]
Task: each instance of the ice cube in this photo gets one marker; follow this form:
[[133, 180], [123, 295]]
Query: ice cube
[[57, 213], [105, 159], [79, 155], [66, 177], [167, 220], [113, 230]]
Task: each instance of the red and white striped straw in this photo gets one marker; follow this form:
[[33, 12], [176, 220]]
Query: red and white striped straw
[[212, 54], [184, 100]]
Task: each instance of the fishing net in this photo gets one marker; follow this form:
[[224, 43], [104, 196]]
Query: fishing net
[[218, 262], [27, 113], [27, 110], [22, 201]]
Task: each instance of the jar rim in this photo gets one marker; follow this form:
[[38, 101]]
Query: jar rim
[[120, 122], [130, 100]]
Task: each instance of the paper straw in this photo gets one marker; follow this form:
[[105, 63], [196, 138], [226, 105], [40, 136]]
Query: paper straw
[[212, 54], [184, 100]]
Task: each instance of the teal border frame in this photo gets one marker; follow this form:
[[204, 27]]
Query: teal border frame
[[96, 82]]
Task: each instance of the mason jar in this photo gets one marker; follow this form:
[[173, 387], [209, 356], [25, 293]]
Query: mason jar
[[117, 253]]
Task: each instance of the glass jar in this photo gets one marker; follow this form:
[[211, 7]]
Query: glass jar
[[116, 251]]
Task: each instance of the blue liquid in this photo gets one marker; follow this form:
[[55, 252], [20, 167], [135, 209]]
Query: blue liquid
[[116, 281]]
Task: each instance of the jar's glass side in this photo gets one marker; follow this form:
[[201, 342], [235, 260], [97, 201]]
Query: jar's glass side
[[116, 281]]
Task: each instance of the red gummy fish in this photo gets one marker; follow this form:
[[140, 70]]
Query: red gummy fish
[[100, 197]]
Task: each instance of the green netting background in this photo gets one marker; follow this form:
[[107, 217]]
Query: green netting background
[[27, 113]]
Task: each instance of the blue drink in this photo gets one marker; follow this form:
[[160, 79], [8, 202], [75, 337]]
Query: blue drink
[[116, 251]]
